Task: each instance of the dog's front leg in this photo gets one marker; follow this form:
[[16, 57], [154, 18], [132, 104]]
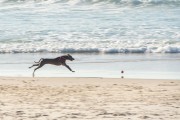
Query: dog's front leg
[[68, 67]]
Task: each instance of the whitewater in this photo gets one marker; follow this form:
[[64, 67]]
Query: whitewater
[[89, 26]]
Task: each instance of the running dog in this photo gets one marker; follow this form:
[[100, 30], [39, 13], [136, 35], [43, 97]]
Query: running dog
[[56, 61]]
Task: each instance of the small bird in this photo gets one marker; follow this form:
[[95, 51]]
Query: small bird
[[122, 71]]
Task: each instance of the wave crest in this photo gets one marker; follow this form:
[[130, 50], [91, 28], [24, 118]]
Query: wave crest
[[21, 48]]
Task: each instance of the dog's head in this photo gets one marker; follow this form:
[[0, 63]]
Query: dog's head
[[70, 57]]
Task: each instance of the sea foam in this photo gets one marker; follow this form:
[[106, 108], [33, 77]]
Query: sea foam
[[62, 48]]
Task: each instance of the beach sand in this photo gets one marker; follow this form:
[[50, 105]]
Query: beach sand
[[88, 98]]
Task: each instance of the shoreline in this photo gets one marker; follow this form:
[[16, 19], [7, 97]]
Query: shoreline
[[88, 98], [95, 66]]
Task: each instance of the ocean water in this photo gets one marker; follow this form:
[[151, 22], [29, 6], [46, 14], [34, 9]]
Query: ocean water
[[101, 29], [84, 26]]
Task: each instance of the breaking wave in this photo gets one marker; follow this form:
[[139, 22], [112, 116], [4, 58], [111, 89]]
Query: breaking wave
[[74, 48]]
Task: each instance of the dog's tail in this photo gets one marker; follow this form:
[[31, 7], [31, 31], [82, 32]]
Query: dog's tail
[[39, 60]]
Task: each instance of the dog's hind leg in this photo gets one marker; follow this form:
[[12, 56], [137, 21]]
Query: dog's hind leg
[[39, 60], [41, 64], [37, 63], [33, 65]]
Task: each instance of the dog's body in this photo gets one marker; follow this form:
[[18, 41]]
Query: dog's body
[[56, 61]]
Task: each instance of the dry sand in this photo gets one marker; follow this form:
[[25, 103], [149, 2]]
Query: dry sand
[[88, 98]]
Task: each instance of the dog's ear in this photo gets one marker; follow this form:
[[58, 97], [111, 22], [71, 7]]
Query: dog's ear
[[68, 55]]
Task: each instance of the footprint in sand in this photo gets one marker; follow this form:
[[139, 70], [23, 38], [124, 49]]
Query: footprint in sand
[[19, 113], [144, 117]]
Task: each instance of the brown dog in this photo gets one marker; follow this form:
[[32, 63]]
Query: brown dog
[[56, 61]]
